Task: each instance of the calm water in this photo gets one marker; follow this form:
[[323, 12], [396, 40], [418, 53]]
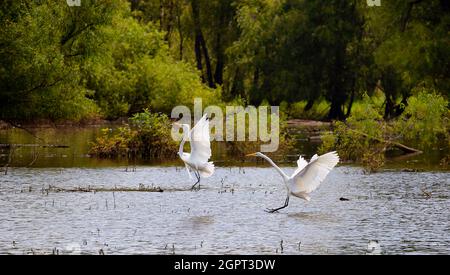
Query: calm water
[[225, 216]]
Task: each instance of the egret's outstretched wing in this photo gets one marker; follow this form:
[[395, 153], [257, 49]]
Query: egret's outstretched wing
[[301, 163], [199, 138], [308, 179]]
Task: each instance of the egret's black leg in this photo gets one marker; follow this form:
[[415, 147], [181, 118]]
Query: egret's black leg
[[197, 175], [286, 203]]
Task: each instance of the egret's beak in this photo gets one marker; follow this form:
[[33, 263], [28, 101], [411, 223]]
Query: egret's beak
[[176, 124], [251, 155]]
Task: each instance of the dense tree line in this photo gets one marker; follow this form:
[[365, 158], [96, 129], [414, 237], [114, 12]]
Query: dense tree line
[[117, 57]]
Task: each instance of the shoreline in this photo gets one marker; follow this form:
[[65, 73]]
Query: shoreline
[[63, 124], [98, 122]]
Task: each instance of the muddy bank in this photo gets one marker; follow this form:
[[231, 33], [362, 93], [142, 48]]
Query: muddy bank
[[304, 123]]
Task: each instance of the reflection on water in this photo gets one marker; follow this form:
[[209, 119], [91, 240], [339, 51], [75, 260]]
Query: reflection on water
[[226, 216], [79, 142]]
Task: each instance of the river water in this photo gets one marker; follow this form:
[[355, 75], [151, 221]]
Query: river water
[[404, 212]]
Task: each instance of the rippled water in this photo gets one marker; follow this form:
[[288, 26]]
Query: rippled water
[[225, 216]]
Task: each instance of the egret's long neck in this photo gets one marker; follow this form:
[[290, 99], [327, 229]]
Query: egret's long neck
[[282, 174], [183, 139]]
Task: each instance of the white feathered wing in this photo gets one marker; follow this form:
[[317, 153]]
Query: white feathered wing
[[201, 147], [307, 179]]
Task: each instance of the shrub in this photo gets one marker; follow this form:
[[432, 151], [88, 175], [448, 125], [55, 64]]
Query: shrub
[[358, 139], [425, 120], [365, 136], [147, 135]]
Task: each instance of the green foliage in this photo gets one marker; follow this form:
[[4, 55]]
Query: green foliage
[[277, 67], [317, 112], [114, 58], [39, 72], [425, 120], [111, 145], [136, 72], [411, 39], [358, 139], [154, 135], [62, 62], [168, 83], [241, 148], [365, 136], [147, 135]]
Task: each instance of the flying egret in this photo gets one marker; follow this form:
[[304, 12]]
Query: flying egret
[[197, 160], [306, 178]]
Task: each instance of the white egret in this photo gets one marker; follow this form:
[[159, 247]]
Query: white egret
[[197, 160], [306, 178]]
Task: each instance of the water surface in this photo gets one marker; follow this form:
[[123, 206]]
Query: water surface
[[406, 212]]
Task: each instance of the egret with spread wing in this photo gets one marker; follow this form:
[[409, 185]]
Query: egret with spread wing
[[197, 160], [306, 178]]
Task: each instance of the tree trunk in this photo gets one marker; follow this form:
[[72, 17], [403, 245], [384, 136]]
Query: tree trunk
[[350, 104], [445, 5], [180, 31], [336, 108], [209, 74], [134, 4], [338, 96], [161, 15], [236, 87], [389, 107], [405, 18], [198, 55], [200, 45], [309, 104], [218, 74], [254, 96], [169, 22]]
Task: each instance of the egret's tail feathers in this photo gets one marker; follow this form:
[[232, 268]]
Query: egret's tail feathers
[[302, 195], [208, 170]]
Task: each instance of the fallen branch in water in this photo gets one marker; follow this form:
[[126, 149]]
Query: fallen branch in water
[[425, 193], [398, 145], [141, 188]]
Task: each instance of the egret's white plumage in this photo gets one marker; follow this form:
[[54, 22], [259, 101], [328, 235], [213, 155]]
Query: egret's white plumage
[[199, 139], [307, 177]]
